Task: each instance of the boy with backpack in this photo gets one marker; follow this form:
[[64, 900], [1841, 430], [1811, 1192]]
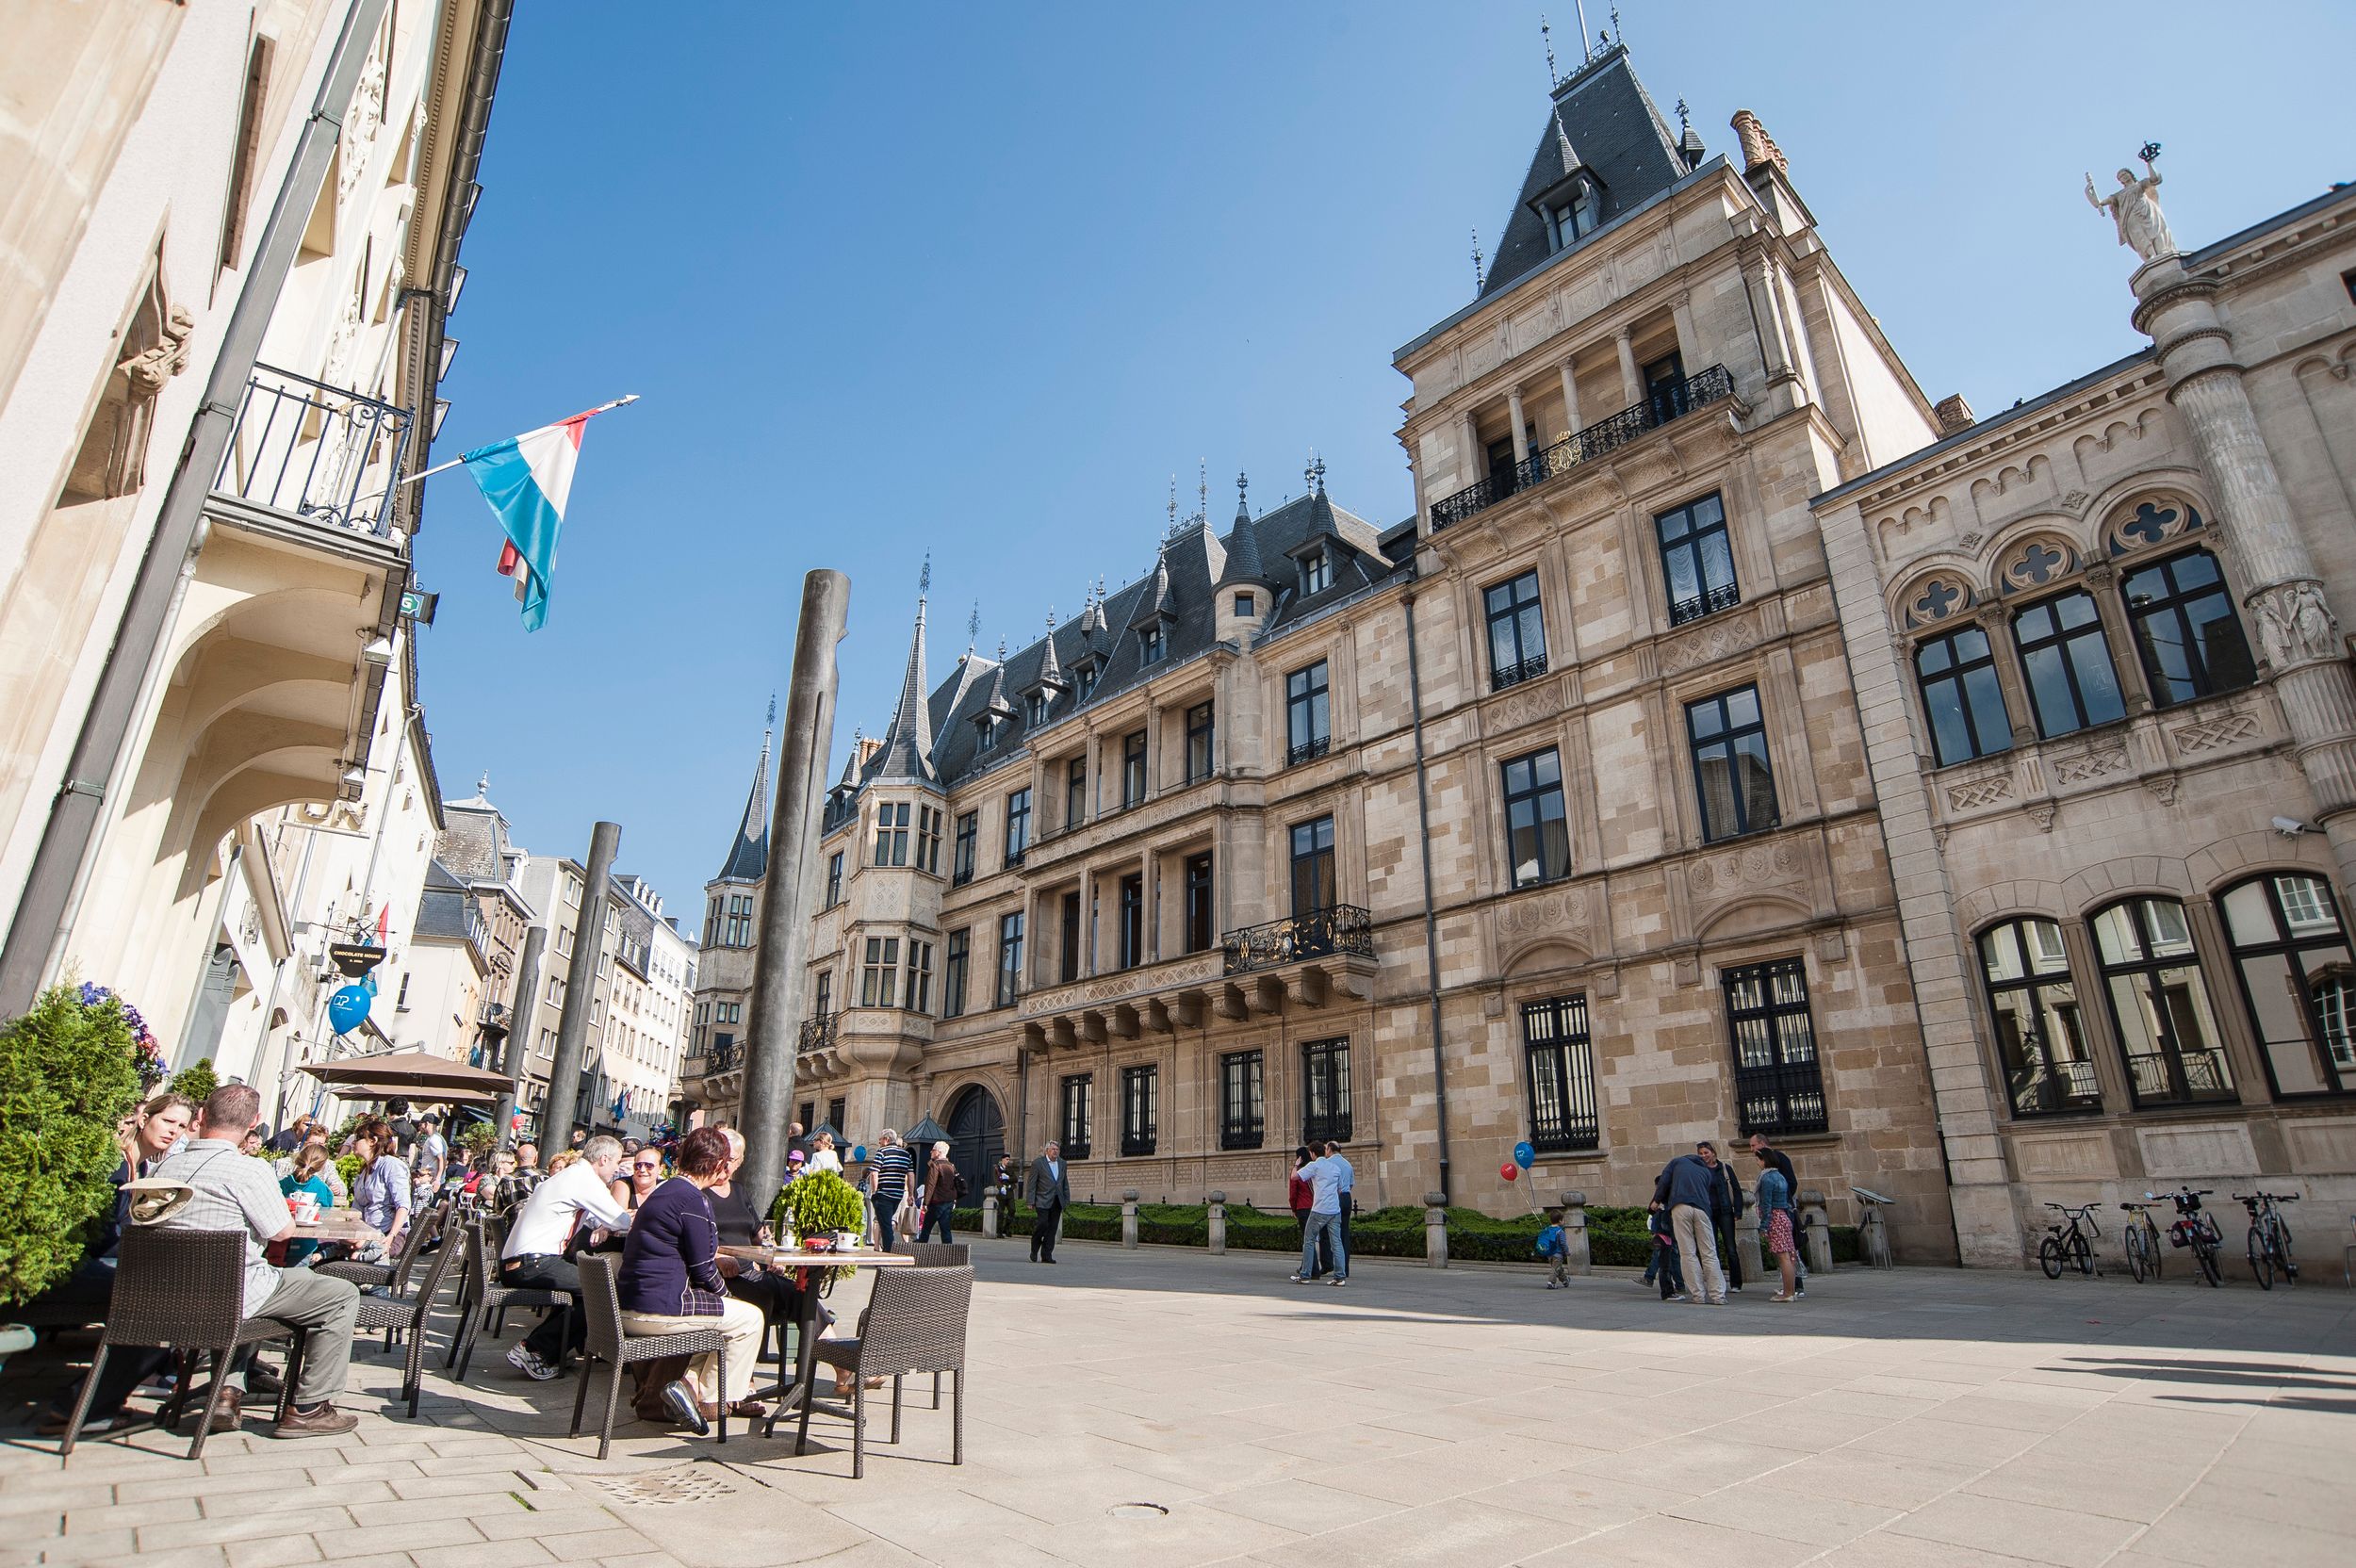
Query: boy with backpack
[[1555, 1247]]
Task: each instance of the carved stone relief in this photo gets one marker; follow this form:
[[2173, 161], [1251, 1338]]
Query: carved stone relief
[[2216, 730], [1973, 793], [1560, 911], [2092, 762], [2294, 625], [1714, 639]]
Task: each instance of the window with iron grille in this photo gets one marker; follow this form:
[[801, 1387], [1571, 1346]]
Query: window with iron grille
[[1313, 866], [1517, 632], [1697, 560], [1325, 1092], [1778, 1086], [1131, 921], [891, 833], [1307, 718], [920, 976], [809, 1114], [1079, 1095], [928, 840], [1009, 958], [1018, 826], [1200, 732], [835, 1117], [1141, 1110], [2159, 1004], [879, 981], [952, 969], [1132, 767], [1537, 834], [1200, 912], [961, 858], [1560, 1063], [2040, 1033], [1731, 774], [1242, 1100]]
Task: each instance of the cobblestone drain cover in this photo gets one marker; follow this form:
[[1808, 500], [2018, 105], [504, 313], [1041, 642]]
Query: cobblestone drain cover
[[1137, 1511], [688, 1483]]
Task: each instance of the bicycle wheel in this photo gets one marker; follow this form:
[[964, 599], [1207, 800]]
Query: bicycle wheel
[[2204, 1253], [2081, 1255], [2261, 1259], [2283, 1257], [2049, 1257], [2136, 1264]]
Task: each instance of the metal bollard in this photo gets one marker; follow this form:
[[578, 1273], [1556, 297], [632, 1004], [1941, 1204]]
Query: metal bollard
[[1129, 1218], [989, 1213], [1219, 1223], [1575, 1232], [1436, 1229], [1874, 1237], [1815, 1232]]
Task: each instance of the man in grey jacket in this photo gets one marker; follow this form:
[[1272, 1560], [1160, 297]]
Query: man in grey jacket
[[1050, 1193], [1688, 1188]]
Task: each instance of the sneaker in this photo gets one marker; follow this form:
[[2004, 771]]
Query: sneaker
[[521, 1358], [1339, 1279], [1297, 1279], [321, 1420]]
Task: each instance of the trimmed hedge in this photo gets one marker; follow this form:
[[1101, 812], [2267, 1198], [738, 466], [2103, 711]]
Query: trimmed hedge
[[69, 1068]]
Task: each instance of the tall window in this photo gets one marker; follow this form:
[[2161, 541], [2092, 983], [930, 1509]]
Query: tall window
[[1152, 645], [962, 857], [740, 921], [712, 923], [1313, 866], [1086, 674], [1325, 1091], [836, 1117], [1034, 708], [1131, 921], [1960, 696], [1079, 1093], [1075, 792], [891, 833], [920, 976], [1132, 768], [834, 879], [1778, 1086], [1307, 728], [1200, 732], [1730, 768], [1537, 836], [1009, 958], [2186, 631], [2159, 1007], [878, 980], [1560, 1064], [928, 840], [2040, 1033], [1697, 560], [1070, 937], [2071, 683], [1140, 1109], [1018, 826], [1242, 1100], [953, 968], [1317, 572], [1200, 910], [1517, 632], [2295, 975], [826, 993]]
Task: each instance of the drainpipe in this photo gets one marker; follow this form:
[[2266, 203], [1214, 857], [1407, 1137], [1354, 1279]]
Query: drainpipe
[[1430, 921], [43, 925]]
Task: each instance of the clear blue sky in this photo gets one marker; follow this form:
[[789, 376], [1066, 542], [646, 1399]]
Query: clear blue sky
[[977, 280]]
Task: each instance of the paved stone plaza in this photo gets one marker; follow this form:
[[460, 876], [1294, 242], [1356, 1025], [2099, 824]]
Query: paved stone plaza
[[1468, 1418]]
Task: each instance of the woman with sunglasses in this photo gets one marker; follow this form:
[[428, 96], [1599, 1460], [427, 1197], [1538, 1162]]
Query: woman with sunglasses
[[635, 1181]]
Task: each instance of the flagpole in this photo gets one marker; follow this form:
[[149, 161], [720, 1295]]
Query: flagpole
[[455, 462]]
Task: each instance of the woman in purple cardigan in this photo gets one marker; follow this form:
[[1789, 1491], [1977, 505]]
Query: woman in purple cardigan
[[673, 1279]]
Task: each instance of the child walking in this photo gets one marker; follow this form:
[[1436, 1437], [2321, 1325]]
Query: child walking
[[1555, 1247]]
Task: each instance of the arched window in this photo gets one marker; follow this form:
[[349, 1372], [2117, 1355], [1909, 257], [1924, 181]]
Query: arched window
[[1961, 697], [2293, 958], [2159, 1006], [2186, 631], [2073, 683], [2040, 1033]]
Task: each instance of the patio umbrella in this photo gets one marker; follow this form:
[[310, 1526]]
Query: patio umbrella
[[420, 1073]]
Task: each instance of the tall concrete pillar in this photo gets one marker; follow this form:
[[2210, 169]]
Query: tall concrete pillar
[[581, 985], [781, 961], [2283, 596], [519, 1028], [1570, 399]]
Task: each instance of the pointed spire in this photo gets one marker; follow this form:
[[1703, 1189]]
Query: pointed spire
[[1153, 604], [1051, 676], [1562, 144], [907, 743], [1688, 141], [749, 857]]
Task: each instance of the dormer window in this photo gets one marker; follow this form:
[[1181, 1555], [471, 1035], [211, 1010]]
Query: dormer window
[[1317, 572], [1087, 677], [1572, 211], [1037, 706], [1151, 645]]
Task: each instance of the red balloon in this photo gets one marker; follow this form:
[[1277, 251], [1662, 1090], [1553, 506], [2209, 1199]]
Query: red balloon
[[1509, 1170]]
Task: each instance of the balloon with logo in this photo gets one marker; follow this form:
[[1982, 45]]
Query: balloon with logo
[[348, 1009], [1525, 1155], [1509, 1170]]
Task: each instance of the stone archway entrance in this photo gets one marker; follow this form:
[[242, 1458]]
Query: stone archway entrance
[[977, 1138]]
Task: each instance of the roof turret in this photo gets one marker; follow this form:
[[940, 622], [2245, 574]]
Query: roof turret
[[906, 754], [749, 857]]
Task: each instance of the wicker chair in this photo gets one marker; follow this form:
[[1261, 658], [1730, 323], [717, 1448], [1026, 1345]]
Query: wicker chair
[[491, 1297], [940, 1255], [183, 1290], [407, 1314], [610, 1343], [396, 1273], [914, 1322], [469, 1289]]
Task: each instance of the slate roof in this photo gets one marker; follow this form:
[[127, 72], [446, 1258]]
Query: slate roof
[[1616, 132], [749, 857], [1183, 586], [444, 906]]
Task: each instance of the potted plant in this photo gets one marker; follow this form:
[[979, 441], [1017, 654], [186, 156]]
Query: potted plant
[[819, 1204]]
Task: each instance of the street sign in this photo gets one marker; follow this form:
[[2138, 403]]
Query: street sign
[[417, 605], [354, 958]]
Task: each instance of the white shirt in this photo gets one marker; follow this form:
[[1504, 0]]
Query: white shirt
[[823, 1159], [546, 1222]]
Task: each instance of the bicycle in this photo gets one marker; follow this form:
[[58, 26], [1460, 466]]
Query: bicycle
[[2067, 1246], [2194, 1228], [2141, 1242], [2270, 1237]]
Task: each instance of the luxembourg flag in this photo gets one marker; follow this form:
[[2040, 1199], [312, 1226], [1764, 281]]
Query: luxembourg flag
[[526, 479]]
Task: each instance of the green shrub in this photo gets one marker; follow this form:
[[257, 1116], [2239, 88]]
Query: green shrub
[[196, 1081], [348, 1166], [479, 1139], [69, 1071], [815, 1204]]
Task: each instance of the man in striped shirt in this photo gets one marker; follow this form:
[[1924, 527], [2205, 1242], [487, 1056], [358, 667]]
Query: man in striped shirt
[[889, 1170]]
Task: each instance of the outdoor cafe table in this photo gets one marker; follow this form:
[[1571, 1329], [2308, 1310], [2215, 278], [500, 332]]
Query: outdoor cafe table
[[787, 1396], [340, 1225]]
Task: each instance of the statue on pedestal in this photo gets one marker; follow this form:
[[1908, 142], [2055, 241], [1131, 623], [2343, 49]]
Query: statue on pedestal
[[2142, 228]]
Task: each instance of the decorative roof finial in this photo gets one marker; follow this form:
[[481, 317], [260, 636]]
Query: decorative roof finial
[[1202, 488], [1320, 475], [973, 628], [1617, 37], [1002, 650], [1685, 121], [1309, 474], [773, 709], [1553, 78], [924, 577], [482, 785], [1174, 503], [1050, 617], [1476, 261], [1243, 509]]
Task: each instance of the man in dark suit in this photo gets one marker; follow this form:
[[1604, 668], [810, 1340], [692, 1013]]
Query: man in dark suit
[[1050, 1192]]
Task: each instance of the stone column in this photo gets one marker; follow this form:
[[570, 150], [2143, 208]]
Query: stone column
[[989, 1212], [1521, 435], [1436, 1229], [2281, 589], [1219, 1224], [1759, 279], [1815, 1230], [581, 987], [1690, 343], [1129, 1219], [1476, 461], [2102, 580], [1570, 399], [1996, 622], [1631, 379], [1575, 1232], [1874, 1237]]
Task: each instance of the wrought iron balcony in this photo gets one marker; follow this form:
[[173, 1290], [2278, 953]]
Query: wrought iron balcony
[[322, 453], [1669, 401], [818, 1033], [1308, 751], [1514, 674], [1726, 595], [1342, 928], [721, 1058]]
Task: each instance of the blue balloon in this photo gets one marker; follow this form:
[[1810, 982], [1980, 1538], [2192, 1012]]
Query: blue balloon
[[348, 1009], [859, 1154], [1524, 1156]]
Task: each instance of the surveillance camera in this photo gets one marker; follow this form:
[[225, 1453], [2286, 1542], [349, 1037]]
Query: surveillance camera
[[2290, 827]]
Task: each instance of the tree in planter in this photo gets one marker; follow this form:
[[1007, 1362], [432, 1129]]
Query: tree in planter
[[197, 1081], [69, 1071], [479, 1140]]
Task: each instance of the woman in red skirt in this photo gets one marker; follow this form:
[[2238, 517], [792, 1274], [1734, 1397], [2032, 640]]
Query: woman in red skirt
[[1774, 1228]]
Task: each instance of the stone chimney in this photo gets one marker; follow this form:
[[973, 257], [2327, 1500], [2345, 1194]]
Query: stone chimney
[[1758, 148], [1955, 414]]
